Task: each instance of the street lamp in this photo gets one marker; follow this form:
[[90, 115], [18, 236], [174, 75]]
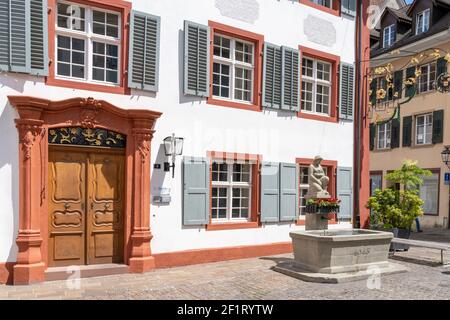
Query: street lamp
[[173, 146], [446, 157]]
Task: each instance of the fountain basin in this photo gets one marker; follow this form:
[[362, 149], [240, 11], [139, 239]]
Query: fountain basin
[[326, 251]]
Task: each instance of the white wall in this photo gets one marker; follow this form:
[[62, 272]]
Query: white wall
[[277, 136]]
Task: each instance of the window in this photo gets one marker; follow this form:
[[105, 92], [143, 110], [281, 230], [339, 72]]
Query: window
[[316, 86], [87, 44], [427, 78], [231, 191], [424, 129], [233, 69], [423, 21], [429, 192], [325, 3], [384, 135], [389, 36], [304, 186]]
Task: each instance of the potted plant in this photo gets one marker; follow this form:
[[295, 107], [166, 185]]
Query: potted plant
[[395, 210], [323, 206]]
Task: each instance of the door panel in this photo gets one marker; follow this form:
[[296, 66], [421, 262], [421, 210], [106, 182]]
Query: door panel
[[105, 218], [67, 212]]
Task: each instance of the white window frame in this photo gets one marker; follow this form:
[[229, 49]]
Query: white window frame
[[230, 184], [425, 15], [315, 82], [389, 36], [89, 37], [233, 63], [429, 80], [425, 131], [384, 136]]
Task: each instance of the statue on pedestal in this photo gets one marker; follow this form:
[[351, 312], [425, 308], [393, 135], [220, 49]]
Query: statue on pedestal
[[318, 181]]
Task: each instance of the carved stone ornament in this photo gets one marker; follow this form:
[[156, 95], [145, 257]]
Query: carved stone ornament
[[89, 111], [28, 132], [143, 138]]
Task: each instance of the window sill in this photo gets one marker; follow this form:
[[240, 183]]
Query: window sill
[[335, 12], [233, 104], [232, 226], [311, 116], [86, 86], [422, 146]]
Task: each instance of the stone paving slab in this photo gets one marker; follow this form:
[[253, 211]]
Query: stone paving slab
[[253, 279]]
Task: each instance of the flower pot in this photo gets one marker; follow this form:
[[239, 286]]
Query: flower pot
[[402, 234]]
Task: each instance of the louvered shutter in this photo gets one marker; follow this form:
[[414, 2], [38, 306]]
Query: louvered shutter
[[270, 192], [410, 89], [373, 94], [196, 59], [4, 35], [395, 133], [19, 36], [272, 81], [441, 66], [346, 105], [290, 76], [143, 67], [288, 192], [344, 188], [398, 83], [407, 131], [39, 37], [438, 126], [372, 136], [349, 7], [196, 197]]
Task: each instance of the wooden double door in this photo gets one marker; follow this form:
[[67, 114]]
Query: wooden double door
[[85, 206]]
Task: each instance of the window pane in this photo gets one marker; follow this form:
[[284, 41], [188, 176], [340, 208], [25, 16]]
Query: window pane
[[98, 74], [99, 47], [98, 29], [112, 31], [63, 55], [111, 76], [77, 44], [98, 61], [111, 63], [112, 50], [99, 16], [78, 57], [63, 69], [429, 192], [63, 42], [112, 19], [78, 71]]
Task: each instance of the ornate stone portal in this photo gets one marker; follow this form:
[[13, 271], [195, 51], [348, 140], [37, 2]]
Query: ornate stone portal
[[41, 118]]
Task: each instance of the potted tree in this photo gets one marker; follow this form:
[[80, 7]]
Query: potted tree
[[395, 210]]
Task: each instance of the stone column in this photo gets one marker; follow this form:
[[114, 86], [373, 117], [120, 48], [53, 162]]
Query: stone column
[[30, 266], [141, 259]]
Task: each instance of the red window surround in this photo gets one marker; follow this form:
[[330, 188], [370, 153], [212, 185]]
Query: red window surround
[[258, 41], [120, 6], [332, 167], [254, 217], [334, 60], [335, 10]]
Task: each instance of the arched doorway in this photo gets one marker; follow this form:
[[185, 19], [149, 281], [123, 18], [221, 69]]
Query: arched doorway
[[38, 120]]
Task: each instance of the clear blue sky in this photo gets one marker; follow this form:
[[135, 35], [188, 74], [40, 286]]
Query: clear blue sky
[[409, 1]]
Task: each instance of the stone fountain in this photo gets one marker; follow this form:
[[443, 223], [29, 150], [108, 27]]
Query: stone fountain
[[322, 255]]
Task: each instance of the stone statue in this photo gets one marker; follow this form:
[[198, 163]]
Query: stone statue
[[318, 181]]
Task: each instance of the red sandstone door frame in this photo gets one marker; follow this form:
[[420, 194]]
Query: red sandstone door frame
[[36, 117]]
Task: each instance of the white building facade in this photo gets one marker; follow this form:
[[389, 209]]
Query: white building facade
[[256, 89]]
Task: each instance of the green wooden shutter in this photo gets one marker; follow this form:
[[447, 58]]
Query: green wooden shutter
[[346, 105], [196, 59], [143, 64], [349, 7], [410, 89], [373, 89], [196, 195], [271, 91], [19, 36], [395, 133], [372, 136], [398, 83], [4, 35], [344, 188], [438, 126], [39, 37], [441, 66], [288, 192], [290, 76], [407, 131], [270, 192]]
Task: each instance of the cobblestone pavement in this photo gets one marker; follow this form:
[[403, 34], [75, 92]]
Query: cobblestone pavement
[[253, 279]]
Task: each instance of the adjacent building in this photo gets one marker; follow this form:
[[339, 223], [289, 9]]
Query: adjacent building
[[91, 89], [421, 130]]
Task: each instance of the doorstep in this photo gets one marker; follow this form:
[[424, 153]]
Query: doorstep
[[88, 271]]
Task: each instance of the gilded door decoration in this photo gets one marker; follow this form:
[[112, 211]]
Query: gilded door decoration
[[86, 137]]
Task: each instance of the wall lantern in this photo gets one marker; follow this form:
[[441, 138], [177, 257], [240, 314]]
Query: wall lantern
[[173, 146], [446, 157]]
